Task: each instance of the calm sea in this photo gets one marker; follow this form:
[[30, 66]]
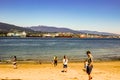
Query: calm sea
[[46, 48]]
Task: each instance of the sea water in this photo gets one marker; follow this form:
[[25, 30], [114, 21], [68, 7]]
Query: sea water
[[45, 48]]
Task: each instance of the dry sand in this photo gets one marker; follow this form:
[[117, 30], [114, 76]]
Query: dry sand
[[101, 71]]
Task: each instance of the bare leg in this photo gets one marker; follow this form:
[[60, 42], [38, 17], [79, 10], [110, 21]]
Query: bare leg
[[65, 69], [15, 66], [89, 77]]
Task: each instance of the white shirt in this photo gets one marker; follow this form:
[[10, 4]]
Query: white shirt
[[65, 61]]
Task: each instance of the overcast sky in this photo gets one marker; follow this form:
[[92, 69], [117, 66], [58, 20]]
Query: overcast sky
[[95, 15]]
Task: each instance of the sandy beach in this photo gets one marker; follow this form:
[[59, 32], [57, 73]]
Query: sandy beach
[[101, 71]]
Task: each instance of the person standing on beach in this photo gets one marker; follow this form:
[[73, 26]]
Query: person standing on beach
[[65, 62], [89, 64], [14, 62], [55, 61]]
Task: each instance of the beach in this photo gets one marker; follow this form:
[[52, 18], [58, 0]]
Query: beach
[[108, 70]]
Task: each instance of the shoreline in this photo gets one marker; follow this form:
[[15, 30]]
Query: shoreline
[[50, 62], [71, 59]]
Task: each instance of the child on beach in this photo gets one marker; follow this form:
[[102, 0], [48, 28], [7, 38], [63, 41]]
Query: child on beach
[[55, 61], [89, 64], [65, 62], [14, 62]]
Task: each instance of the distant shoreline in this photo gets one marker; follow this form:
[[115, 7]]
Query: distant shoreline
[[51, 37]]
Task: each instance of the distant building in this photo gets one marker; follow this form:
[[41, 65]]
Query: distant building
[[64, 34], [17, 34], [47, 35]]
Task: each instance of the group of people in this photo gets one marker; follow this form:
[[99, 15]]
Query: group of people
[[88, 64], [65, 62]]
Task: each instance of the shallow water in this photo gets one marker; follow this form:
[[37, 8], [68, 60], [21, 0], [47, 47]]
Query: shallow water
[[46, 48]]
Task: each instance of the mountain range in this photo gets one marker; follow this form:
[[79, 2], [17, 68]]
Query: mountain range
[[56, 29], [52, 29], [5, 27]]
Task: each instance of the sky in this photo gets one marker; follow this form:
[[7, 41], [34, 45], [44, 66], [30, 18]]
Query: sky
[[94, 15]]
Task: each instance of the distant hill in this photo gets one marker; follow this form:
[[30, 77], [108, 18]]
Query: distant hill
[[4, 27], [52, 29], [55, 29], [96, 32]]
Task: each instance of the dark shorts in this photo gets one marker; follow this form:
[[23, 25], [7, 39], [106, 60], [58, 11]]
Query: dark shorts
[[14, 63], [89, 69], [64, 66], [55, 62]]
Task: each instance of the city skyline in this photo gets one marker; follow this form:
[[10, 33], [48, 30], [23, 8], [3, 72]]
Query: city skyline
[[94, 15]]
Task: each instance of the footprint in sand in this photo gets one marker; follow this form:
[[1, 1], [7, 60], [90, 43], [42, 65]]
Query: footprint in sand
[[75, 78]]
